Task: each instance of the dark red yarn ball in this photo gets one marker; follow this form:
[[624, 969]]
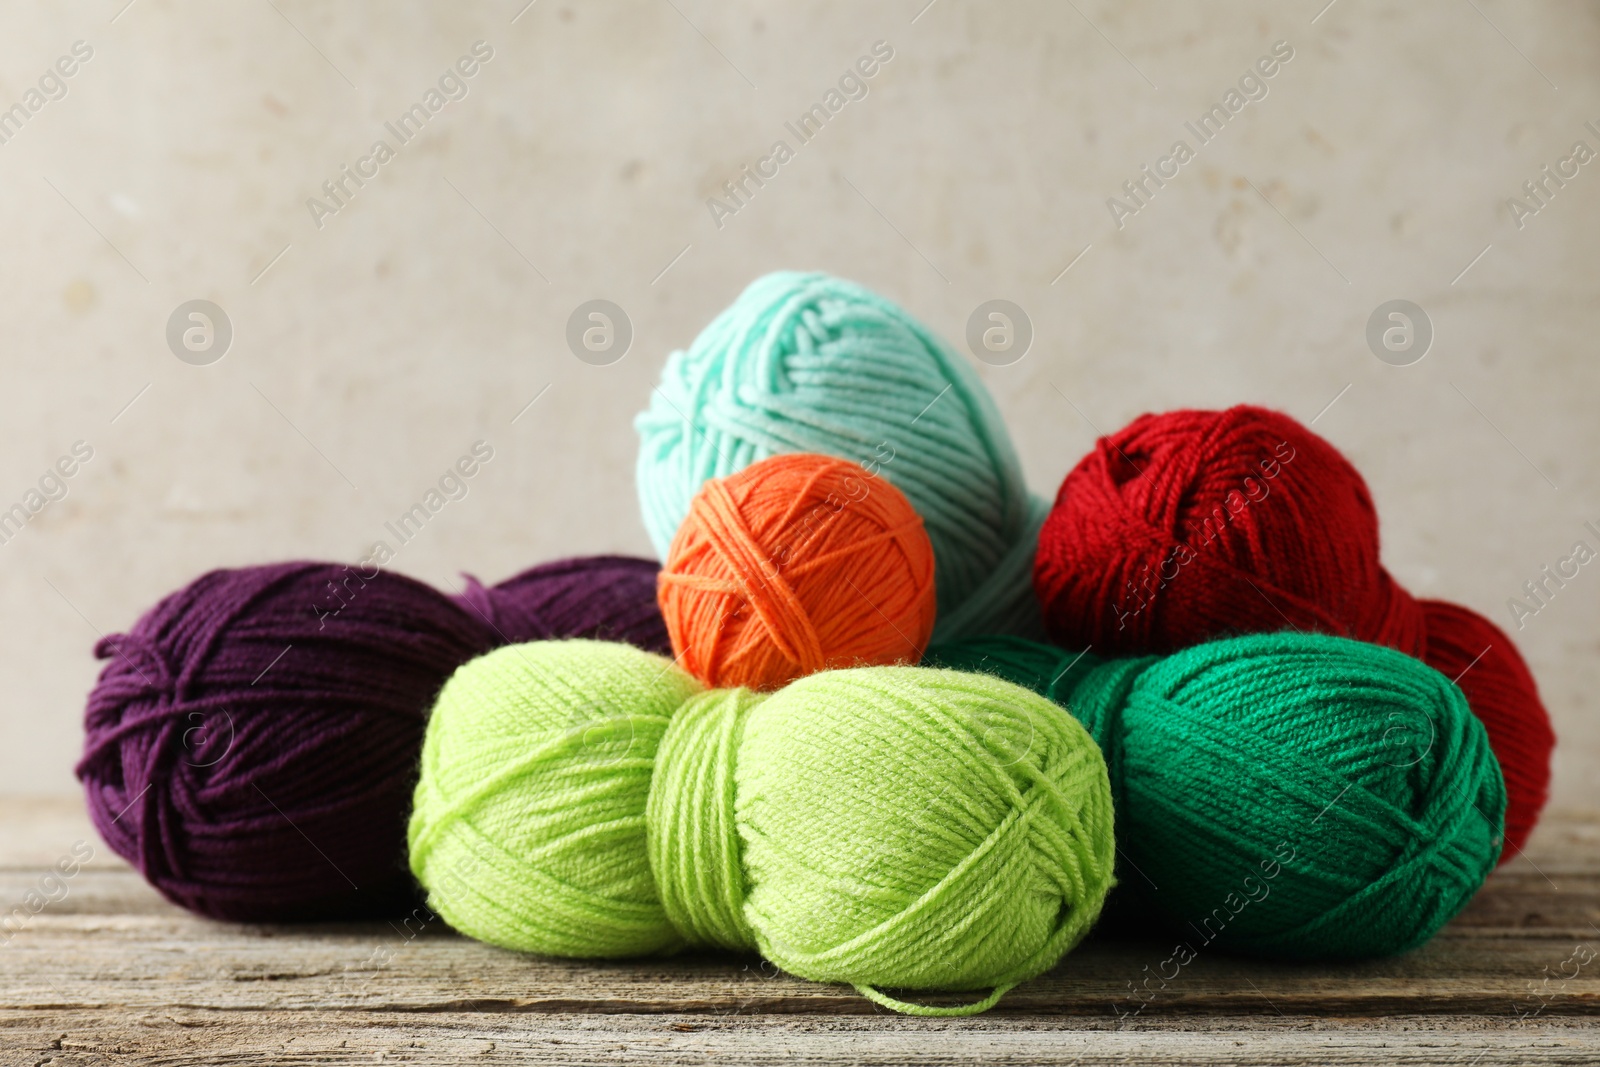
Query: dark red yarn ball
[[1485, 663], [1192, 525], [252, 743]]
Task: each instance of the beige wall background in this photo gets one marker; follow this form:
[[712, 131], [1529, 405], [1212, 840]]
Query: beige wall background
[[369, 353]]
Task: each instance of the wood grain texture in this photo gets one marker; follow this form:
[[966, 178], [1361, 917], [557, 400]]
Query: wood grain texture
[[193, 1037], [107, 972]]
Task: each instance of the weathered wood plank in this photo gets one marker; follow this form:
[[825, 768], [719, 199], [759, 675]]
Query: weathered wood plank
[[111, 941], [108, 972], [183, 1037], [1517, 901], [146, 962]]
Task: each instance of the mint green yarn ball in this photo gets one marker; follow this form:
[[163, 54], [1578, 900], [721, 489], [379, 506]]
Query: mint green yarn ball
[[811, 363], [890, 827], [1290, 795]]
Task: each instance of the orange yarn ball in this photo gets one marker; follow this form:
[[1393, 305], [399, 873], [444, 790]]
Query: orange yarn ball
[[796, 564]]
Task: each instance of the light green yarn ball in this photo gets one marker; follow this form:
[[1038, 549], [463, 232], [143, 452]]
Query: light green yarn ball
[[528, 824], [921, 829], [890, 827], [811, 363]]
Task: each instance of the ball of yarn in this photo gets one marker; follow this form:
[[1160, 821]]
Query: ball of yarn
[[810, 363], [1485, 663], [1188, 525], [796, 564], [891, 827], [612, 598], [1289, 795], [252, 742], [1191, 525]]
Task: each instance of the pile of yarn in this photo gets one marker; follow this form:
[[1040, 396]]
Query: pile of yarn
[[859, 759], [252, 743], [1192, 525], [1289, 795], [811, 363], [890, 827]]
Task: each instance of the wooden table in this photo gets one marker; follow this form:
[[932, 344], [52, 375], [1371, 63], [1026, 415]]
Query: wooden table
[[109, 973]]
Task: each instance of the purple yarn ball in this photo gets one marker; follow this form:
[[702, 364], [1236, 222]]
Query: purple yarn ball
[[253, 741], [611, 598]]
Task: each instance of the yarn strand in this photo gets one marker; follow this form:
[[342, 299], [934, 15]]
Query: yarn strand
[[931, 1011]]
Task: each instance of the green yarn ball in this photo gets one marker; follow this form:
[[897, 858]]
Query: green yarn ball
[[1288, 795], [890, 827], [811, 363], [528, 825]]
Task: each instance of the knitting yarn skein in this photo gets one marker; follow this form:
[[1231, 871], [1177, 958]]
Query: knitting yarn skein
[[810, 363], [1193, 525], [1290, 795], [1157, 535], [1481, 659], [611, 598], [797, 564], [892, 827], [252, 741]]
